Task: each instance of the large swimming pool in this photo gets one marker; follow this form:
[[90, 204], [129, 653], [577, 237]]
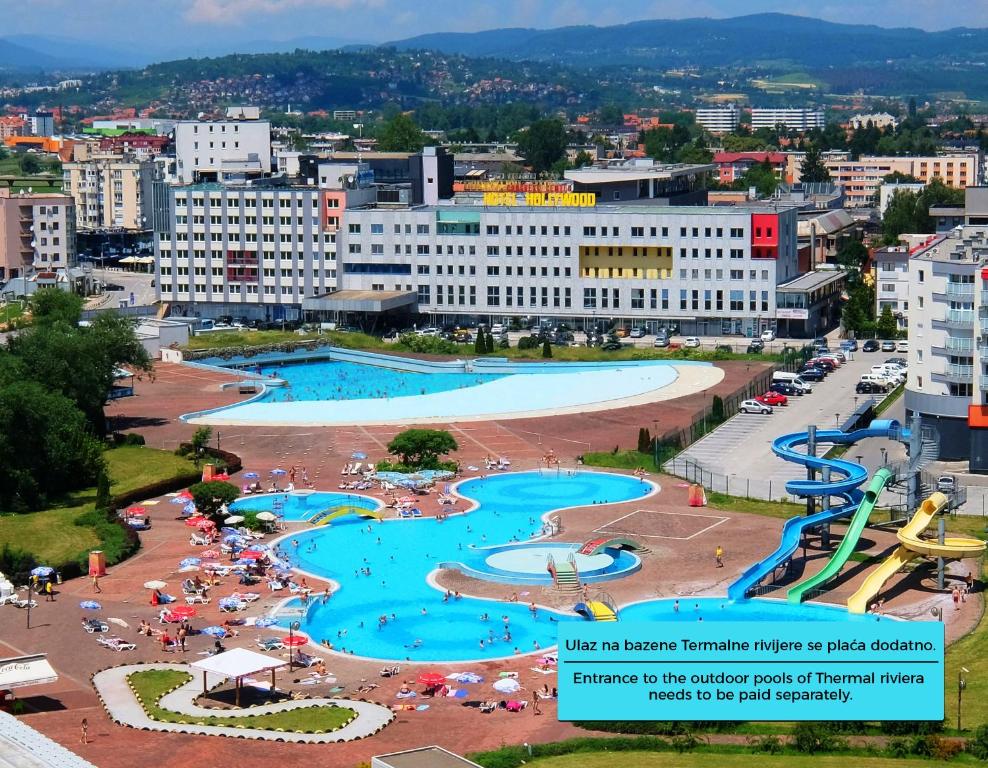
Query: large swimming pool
[[383, 569], [333, 386]]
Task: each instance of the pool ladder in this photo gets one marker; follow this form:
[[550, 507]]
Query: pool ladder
[[565, 575]]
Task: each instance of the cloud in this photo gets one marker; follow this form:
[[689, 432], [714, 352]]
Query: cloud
[[236, 11]]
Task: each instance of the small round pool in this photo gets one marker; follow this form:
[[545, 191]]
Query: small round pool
[[528, 563]]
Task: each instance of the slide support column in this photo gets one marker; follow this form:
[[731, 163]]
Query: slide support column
[[810, 472], [825, 504], [941, 526]]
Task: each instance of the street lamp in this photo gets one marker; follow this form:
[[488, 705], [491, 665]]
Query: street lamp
[[837, 419], [885, 456], [961, 685], [937, 612], [292, 629]]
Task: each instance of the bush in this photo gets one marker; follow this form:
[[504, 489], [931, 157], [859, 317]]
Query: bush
[[427, 344], [897, 748], [128, 438], [909, 727], [770, 744], [811, 738], [717, 410], [978, 746], [528, 342], [644, 441], [16, 564]]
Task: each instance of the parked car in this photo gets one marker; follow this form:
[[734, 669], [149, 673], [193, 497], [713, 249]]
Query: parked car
[[784, 388], [822, 362], [902, 345], [756, 347], [870, 346], [900, 361], [812, 373], [773, 398], [768, 335], [497, 329], [611, 346], [820, 341], [622, 332], [637, 333], [946, 484], [849, 345], [870, 388], [692, 342], [888, 346], [753, 406], [661, 341], [429, 331]]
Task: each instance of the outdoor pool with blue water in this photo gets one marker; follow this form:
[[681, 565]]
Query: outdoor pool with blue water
[[400, 554], [299, 506]]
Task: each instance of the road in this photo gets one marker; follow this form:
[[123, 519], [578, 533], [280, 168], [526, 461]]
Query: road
[[138, 283], [741, 449]]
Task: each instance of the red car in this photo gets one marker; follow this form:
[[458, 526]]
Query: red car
[[773, 399]]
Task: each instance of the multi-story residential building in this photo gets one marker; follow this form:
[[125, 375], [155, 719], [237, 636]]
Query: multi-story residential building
[[719, 119], [40, 123], [222, 150], [37, 233], [795, 119], [891, 271], [140, 145], [246, 250], [880, 120], [948, 379], [887, 190], [10, 125], [732, 166], [707, 270], [109, 191], [861, 178], [345, 115]]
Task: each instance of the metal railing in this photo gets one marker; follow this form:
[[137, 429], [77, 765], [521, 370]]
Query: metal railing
[[960, 290], [731, 485], [960, 317]]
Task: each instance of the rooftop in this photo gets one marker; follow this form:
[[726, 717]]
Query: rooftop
[[962, 244], [810, 281], [424, 757], [636, 171]]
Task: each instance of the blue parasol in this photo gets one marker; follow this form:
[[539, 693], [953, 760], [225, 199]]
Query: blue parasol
[[189, 561], [90, 605], [246, 561], [214, 631], [266, 621], [251, 475], [42, 570], [278, 471], [177, 500], [358, 455], [189, 508]]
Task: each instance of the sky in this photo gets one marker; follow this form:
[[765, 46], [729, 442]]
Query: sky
[[203, 24]]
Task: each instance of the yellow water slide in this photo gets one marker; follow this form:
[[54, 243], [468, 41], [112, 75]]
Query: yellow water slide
[[912, 546], [601, 611]]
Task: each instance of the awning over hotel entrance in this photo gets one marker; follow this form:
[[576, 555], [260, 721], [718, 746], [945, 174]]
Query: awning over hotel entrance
[[373, 302]]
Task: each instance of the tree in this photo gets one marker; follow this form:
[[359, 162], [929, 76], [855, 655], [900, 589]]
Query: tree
[[582, 159], [51, 306], [762, 177], [853, 255], [543, 144], [479, 343], [30, 164], [898, 177], [212, 496], [887, 327], [644, 440], [611, 114], [696, 152], [421, 448], [900, 216], [103, 498], [490, 342], [200, 442], [664, 144], [401, 134], [812, 169], [46, 447], [546, 349]]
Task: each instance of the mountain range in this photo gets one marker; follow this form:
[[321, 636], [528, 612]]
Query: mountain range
[[743, 40]]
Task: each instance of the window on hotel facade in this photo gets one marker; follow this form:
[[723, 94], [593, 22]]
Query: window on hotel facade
[[589, 298], [737, 232], [533, 296], [493, 296], [589, 231], [638, 298], [638, 231], [737, 301], [377, 229]]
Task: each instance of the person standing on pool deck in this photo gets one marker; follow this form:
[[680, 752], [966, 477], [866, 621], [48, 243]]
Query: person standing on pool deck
[[719, 556]]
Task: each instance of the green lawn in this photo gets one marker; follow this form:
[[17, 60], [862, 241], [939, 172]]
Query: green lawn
[[629, 460], [970, 652], [260, 338], [154, 684], [52, 536], [780, 509], [713, 760]]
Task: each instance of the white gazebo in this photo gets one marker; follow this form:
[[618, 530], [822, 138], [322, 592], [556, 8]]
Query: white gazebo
[[21, 671], [237, 663]]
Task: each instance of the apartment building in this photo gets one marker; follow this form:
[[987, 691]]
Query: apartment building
[[37, 233], [719, 120], [245, 250], [880, 120], [861, 178], [731, 166], [707, 270], [222, 150], [11, 125], [891, 272], [795, 119], [948, 379], [109, 191]]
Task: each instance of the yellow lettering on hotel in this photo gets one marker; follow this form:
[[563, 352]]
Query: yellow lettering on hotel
[[542, 199]]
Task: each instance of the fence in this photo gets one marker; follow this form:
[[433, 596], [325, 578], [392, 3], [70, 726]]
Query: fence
[[731, 485]]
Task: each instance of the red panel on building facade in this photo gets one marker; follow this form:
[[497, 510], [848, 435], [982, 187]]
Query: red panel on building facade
[[764, 236]]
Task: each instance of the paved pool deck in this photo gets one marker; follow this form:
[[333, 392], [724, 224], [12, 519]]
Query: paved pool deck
[[521, 396]]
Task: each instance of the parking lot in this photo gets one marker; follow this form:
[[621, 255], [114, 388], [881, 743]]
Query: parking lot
[[740, 450]]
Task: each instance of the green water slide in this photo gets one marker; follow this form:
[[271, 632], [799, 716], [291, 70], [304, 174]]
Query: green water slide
[[857, 525]]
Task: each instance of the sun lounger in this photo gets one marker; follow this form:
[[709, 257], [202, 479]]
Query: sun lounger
[[249, 597], [367, 687], [543, 671], [199, 598], [233, 607], [487, 707], [390, 671], [115, 643], [95, 625], [416, 512], [346, 469], [305, 660], [516, 706], [270, 644], [20, 602], [369, 471], [355, 469]]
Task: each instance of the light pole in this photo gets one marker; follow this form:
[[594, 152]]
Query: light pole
[[961, 685], [292, 629], [837, 420], [885, 456]]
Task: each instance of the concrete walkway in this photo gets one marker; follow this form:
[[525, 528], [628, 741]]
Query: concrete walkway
[[124, 709]]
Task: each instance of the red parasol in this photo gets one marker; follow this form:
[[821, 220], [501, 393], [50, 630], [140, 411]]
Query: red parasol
[[294, 641], [193, 522], [431, 679], [183, 611], [252, 554], [221, 476], [136, 511], [185, 495], [204, 524], [209, 554]]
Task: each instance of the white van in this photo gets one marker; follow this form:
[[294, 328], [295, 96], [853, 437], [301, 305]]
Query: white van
[[902, 345], [794, 379], [877, 378]]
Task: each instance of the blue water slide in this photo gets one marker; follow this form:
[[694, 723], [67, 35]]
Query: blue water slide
[[845, 479]]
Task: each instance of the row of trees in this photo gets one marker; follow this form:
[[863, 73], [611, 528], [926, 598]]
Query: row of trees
[[55, 378], [909, 212]]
